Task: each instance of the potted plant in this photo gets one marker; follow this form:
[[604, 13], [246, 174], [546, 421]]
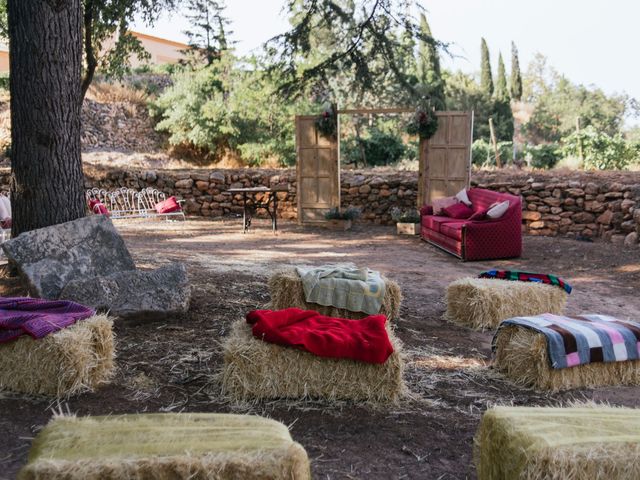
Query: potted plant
[[341, 219], [407, 222]]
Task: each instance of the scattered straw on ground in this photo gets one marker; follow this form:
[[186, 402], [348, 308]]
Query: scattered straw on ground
[[257, 370], [68, 362], [532, 443], [287, 291], [522, 355], [166, 446], [482, 303]]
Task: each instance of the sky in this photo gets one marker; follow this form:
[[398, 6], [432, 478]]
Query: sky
[[591, 42]]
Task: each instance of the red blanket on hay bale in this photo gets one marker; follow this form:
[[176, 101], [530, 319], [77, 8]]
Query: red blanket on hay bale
[[365, 340]]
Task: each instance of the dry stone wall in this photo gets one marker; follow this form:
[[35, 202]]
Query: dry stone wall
[[592, 207]]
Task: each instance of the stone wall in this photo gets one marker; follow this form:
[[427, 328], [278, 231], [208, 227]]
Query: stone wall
[[586, 205], [610, 210]]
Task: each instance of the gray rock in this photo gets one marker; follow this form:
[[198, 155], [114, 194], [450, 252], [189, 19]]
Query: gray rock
[[48, 258], [139, 295]]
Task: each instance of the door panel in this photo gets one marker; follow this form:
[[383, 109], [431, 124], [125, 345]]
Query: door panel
[[445, 159], [318, 172]]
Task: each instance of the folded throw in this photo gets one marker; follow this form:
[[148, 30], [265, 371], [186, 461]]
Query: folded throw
[[354, 289], [364, 340], [527, 277], [37, 317], [583, 339]]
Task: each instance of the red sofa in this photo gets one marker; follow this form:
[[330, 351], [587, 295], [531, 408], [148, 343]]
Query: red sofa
[[477, 240]]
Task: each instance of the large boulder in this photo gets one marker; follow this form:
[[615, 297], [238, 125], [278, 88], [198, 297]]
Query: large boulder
[[50, 257], [140, 295]]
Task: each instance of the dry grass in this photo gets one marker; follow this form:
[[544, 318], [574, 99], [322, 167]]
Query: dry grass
[[257, 370], [74, 360], [166, 446], [287, 291], [522, 355], [482, 303], [105, 92], [576, 443]]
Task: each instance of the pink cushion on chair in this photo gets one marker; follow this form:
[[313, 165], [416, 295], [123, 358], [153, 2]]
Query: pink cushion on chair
[[167, 206], [459, 211]]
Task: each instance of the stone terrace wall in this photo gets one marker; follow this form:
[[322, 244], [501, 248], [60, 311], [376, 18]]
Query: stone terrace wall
[[586, 208], [589, 205]]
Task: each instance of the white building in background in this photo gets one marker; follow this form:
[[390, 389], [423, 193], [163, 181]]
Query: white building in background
[[162, 51]]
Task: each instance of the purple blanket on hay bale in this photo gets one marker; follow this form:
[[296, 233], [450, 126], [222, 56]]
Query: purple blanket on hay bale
[[38, 317]]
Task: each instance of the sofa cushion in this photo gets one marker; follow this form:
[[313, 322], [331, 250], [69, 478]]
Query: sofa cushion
[[458, 211], [441, 203], [433, 222], [452, 230]]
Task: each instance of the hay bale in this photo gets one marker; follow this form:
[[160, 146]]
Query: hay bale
[[482, 303], [166, 446], [255, 370], [522, 355], [578, 443], [287, 291], [75, 359]]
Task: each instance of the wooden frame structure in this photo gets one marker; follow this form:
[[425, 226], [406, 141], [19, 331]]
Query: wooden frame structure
[[444, 161]]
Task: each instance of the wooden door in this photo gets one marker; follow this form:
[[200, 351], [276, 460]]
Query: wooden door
[[445, 159], [318, 172]]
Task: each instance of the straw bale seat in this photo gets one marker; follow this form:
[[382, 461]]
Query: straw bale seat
[[482, 303], [256, 370], [287, 291], [522, 355], [166, 446], [577, 443], [73, 360]]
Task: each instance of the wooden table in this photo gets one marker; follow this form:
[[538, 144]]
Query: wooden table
[[250, 205]]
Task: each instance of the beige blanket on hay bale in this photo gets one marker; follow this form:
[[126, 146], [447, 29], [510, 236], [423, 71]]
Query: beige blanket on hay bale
[[576, 443], [482, 303], [166, 446], [255, 370], [73, 360], [287, 291], [522, 355]]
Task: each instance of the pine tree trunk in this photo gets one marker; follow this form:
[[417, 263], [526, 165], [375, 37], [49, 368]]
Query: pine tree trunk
[[45, 38]]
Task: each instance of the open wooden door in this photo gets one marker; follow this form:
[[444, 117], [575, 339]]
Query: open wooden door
[[318, 172], [445, 159]]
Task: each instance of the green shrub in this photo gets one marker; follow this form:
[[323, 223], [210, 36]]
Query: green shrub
[[380, 148], [543, 156], [4, 81], [483, 154], [599, 150]]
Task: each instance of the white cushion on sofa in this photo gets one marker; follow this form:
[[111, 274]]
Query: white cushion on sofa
[[463, 197], [497, 210]]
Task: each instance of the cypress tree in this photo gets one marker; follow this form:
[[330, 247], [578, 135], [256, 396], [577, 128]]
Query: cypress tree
[[486, 79], [429, 72], [502, 93], [516, 76]]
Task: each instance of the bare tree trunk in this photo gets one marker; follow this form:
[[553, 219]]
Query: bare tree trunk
[[89, 52], [45, 62]]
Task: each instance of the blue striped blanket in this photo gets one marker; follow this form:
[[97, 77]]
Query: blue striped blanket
[[583, 339]]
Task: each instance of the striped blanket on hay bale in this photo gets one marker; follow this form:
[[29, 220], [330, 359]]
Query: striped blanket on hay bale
[[166, 446], [482, 303], [554, 352], [287, 290], [577, 443]]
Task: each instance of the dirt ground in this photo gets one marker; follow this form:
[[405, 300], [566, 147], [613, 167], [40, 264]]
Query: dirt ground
[[172, 365]]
